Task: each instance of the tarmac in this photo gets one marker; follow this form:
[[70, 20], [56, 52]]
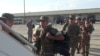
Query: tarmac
[[94, 43]]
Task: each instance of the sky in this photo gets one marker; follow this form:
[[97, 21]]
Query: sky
[[17, 6]]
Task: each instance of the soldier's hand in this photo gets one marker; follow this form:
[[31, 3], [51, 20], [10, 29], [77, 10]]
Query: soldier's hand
[[36, 38], [48, 35], [83, 31]]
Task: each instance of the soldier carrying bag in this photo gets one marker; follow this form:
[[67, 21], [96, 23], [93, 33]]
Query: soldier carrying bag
[[61, 46]]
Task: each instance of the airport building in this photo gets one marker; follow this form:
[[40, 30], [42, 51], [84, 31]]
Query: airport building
[[93, 12]]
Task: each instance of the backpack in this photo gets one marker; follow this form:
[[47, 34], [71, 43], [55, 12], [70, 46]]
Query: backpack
[[61, 46]]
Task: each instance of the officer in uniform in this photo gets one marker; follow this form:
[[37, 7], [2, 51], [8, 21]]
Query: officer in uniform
[[73, 31], [79, 23], [47, 36], [87, 31], [30, 27]]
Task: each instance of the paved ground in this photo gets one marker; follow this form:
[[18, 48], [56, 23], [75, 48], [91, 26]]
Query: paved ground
[[95, 37]]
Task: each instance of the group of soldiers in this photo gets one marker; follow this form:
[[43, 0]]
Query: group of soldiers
[[78, 29]]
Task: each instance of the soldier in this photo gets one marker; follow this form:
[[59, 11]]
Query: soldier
[[7, 18], [79, 23], [87, 31], [36, 33], [72, 30], [83, 21], [46, 37], [30, 25]]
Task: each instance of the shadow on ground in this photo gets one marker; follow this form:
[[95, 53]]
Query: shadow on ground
[[95, 44], [94, 54], [96, 50]]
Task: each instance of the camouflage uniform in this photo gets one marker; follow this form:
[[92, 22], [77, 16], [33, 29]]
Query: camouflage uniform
[[86, 39], [47, 44], [79, 45], [29, 25], [37, 44], [73, 31], [79, 23], [47, 48]]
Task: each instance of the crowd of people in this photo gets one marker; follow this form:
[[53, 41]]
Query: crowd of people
[[75, 35]]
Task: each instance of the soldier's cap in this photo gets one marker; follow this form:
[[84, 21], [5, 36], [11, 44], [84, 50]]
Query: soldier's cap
[[83, 18], [87, 20], [44, 18], [72, 17], [8, 16], [78, 18]]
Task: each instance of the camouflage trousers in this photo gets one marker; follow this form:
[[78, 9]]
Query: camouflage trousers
[[73, 46], [30, 35], [86, 45], [79, 45], [38, 46]]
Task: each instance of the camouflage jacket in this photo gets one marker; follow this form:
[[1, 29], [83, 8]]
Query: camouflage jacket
[[72, 30], [47, 44]]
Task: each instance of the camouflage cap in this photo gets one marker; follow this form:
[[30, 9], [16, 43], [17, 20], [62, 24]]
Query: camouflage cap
[[71, 17], [87, 21], [78, 18], [83, 18], [42, 18], [8, 16]]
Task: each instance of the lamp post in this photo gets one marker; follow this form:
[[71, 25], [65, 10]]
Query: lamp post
[[24, 13]]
